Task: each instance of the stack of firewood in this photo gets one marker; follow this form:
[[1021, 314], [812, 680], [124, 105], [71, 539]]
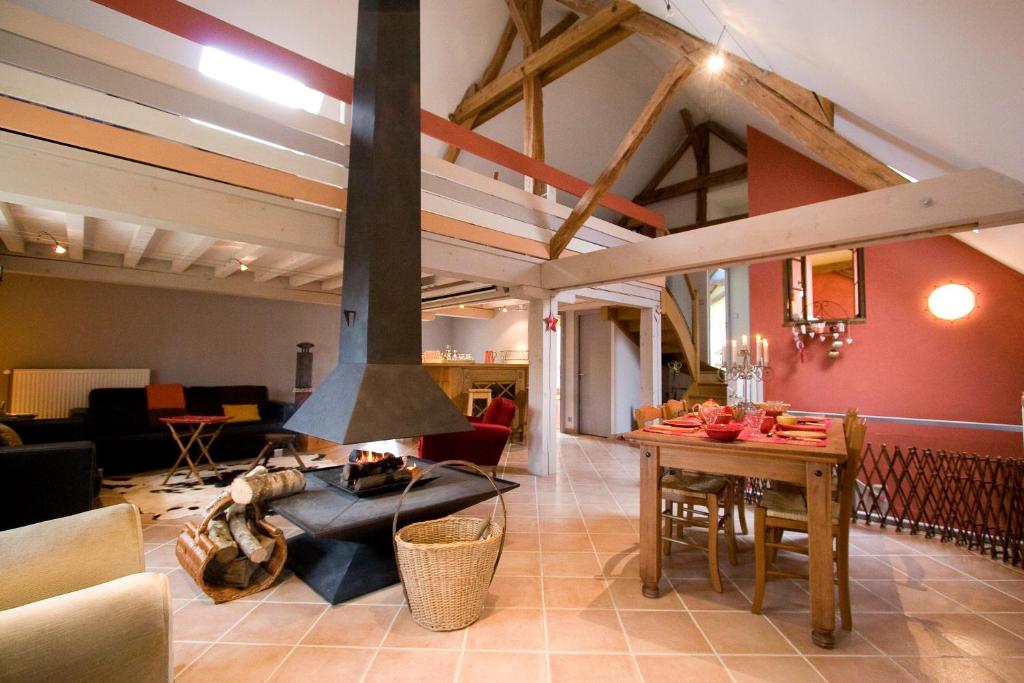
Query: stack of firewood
[[240, 548]]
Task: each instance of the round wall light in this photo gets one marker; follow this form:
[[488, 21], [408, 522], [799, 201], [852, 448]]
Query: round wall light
[[952, 301]]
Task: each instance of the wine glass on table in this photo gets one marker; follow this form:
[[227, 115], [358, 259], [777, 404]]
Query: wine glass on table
[[753, 419]]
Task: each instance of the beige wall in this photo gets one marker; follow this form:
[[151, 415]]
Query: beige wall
[[187, 337]]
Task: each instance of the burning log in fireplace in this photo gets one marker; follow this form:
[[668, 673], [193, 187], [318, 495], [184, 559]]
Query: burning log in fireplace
[[367, 470]]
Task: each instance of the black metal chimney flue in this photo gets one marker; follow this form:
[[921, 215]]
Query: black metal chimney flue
[[380, 389]]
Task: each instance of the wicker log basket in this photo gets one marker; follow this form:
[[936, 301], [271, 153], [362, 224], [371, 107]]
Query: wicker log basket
[[447, 565], [195, 551]]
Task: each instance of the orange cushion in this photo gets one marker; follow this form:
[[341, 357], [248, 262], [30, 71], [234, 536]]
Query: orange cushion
[[165, 396], [242, 412]]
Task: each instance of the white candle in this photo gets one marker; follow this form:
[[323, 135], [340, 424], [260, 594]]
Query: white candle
[[764, 355], [757, 349], [733, 358], [743, 345]]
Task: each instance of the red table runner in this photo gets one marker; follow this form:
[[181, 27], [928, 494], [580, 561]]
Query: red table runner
[[746, 435]]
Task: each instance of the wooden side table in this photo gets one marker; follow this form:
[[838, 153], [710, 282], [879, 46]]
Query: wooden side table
[[191, 429]]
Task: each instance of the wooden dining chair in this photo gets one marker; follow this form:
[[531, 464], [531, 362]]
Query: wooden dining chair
[[673, 408], [694, 491], [645, 415], [781, 511]]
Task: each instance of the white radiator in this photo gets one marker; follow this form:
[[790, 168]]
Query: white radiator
[[53, 393]]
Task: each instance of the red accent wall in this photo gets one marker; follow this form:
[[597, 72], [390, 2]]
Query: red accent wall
[[903, 362]]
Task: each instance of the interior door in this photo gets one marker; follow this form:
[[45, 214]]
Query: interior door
[[594, 381]]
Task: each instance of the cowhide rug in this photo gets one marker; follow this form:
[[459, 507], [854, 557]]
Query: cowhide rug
[[181, 496]]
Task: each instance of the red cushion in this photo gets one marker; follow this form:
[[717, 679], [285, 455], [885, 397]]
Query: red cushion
[[500, 412]]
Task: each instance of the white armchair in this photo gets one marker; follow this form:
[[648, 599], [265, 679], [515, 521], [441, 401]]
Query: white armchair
[[75, 605]]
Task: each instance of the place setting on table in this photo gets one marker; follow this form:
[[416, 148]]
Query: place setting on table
[[766, 422]]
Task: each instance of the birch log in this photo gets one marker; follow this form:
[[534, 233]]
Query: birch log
[[219, 534], [247, 541], [263, 487]]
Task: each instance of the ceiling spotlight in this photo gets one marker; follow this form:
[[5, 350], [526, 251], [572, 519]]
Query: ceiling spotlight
[[715, 63], [462, 305], [504, 309], [242, 267], [59, 248]]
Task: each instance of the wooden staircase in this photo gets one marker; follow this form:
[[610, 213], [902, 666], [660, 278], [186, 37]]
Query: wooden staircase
[[678, 343]]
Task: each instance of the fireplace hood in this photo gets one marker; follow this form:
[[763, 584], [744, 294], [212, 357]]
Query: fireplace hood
[[380, 390]]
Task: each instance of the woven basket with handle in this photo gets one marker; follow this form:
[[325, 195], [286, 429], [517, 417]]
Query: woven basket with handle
[[446, 565], [195, 551]]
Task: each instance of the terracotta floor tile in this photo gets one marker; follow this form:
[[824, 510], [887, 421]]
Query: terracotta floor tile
[[184, 654], [576, 593], [570, 564], [879, 544], [741, 633], [503, 667], [676, 668], [983, 567], [324, 664], [412, 666], [919, 567], [912, 596], [222, 663], [1014, 623], [685, 564], [627, 594], [519, 563], [609, 525], [353, 625], [182, 585], [697, 594], [771, 669], [1010, 669], [797, 629], [615, 543], [562, 525], [839, 669], [507, 629], [567, 543], [293, 589], [283, 623], [515, 591], [593, 669], [977, 596], [200, 620], [551, 511], [1014, 588], [930, 635], [619, 565], [522, 541], [391, 595], [663, 632], [161, 533], [585, 631], [406, 633], [161, 556], [872, 568], [948, 670], [518, 524], [862, 600]]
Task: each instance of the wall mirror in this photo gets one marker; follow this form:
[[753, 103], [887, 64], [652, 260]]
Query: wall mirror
[[825, 286]]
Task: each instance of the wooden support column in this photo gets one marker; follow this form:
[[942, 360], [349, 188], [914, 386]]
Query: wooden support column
[[650, 356], [569, 373], [703, 152], [526, 17], [620, 159], [542, 418]]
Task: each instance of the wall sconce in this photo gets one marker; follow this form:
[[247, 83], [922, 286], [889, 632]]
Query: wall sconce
[[952, 301], [58, 248]]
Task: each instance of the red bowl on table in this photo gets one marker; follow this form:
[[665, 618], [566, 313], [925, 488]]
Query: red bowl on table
[[724, 432], [723, 419]]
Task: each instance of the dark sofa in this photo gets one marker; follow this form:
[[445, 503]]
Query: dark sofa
[[46, 481], [130, 439]]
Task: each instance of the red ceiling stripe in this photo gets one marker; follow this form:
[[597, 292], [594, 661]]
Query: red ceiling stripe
[[187, 22]]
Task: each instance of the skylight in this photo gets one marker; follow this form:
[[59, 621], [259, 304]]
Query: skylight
[[259, 80]]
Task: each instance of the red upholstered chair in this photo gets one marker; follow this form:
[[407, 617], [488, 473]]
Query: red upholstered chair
[[482, 446]]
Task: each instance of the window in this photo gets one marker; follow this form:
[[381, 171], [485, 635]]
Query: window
[[259, 80]]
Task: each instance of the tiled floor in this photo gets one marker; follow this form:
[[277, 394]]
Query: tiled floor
[[566, 606]]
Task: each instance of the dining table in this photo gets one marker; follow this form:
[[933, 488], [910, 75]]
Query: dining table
[[807, 464]]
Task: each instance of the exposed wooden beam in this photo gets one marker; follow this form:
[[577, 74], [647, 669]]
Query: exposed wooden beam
[[793, 107], [10, 233], [547, 56], [703, 149], [620, 159], [321, 273], [331, 284], [137, 245], [286, 267], [462, 312], [492, 69], [558, 29], [75, 226], [526, 16], [196, 247], [727, 136], [714, 221], [701, 182], [961, 201]]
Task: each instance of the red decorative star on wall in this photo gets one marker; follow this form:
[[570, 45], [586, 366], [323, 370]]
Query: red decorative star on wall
[[552, 323]]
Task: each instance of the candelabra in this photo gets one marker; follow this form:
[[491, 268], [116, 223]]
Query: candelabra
[[744, 368]]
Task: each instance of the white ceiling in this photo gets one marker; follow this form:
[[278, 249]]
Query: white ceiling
[[925, 86]]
